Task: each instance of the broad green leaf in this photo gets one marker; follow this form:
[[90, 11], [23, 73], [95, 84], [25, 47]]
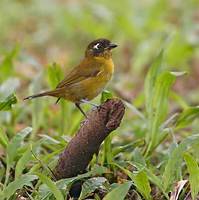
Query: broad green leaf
[[142, 183], [150, 81], [193, 170], [8, 102], [175, 160], [152, 177], [159, 106], [90, 185], [20, 166], [67, 182], [15, 144], [95, 171], [157, 181], [140, 180], [106, 95], [51, 185], [27, 157], [119, 192], [187, 117], [12, 149], [45, 193], [17, 184]]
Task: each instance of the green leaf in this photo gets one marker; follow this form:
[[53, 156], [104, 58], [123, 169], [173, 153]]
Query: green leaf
[[150, 81], [157, 181], [152, 177], [17, 184], [140, 180], [160, 98], [20, 166], [142, 183], [187, 117], [106, 95], [193, 170], [12, 147], [51, 185], [119, 192], [90, 185], [173, 166], [8, 102], [15, 144], [159, 107]]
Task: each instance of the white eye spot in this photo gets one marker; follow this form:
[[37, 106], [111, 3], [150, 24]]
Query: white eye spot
[[96, 46]]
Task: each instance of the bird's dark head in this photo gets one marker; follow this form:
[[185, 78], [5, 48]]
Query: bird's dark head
[[100, 47]]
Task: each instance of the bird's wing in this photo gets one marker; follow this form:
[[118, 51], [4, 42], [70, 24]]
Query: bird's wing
[[81, 72]]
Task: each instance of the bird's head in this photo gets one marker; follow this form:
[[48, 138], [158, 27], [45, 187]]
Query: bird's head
[[100, 48]]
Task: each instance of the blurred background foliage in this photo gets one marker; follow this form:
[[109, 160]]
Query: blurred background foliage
[[41, 40], [36, 33]]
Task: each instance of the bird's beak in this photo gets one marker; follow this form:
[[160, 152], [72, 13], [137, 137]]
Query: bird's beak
[[112, 46]]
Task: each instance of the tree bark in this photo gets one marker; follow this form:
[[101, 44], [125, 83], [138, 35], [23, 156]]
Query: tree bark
[[79, 152]]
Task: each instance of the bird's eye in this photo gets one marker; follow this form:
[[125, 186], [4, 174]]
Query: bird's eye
[[96, 46]]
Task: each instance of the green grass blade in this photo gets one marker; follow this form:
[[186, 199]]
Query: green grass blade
[[193, 170], [17, 184], [119, 192], [107, 154], [3, 139], [173, 166], [152, 177], [51, 185], [12, 149]]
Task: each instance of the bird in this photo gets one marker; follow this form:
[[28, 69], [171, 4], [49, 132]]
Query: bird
[[88, 79]]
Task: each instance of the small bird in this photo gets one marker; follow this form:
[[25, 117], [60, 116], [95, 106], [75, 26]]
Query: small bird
[[88, 79]]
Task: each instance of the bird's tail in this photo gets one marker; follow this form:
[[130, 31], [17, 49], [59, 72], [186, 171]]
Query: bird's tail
[[48, 93]]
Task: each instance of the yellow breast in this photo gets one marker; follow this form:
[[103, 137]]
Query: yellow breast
[[98, 83], [92, 86]]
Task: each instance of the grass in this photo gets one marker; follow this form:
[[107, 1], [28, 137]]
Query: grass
[[156, 73]]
